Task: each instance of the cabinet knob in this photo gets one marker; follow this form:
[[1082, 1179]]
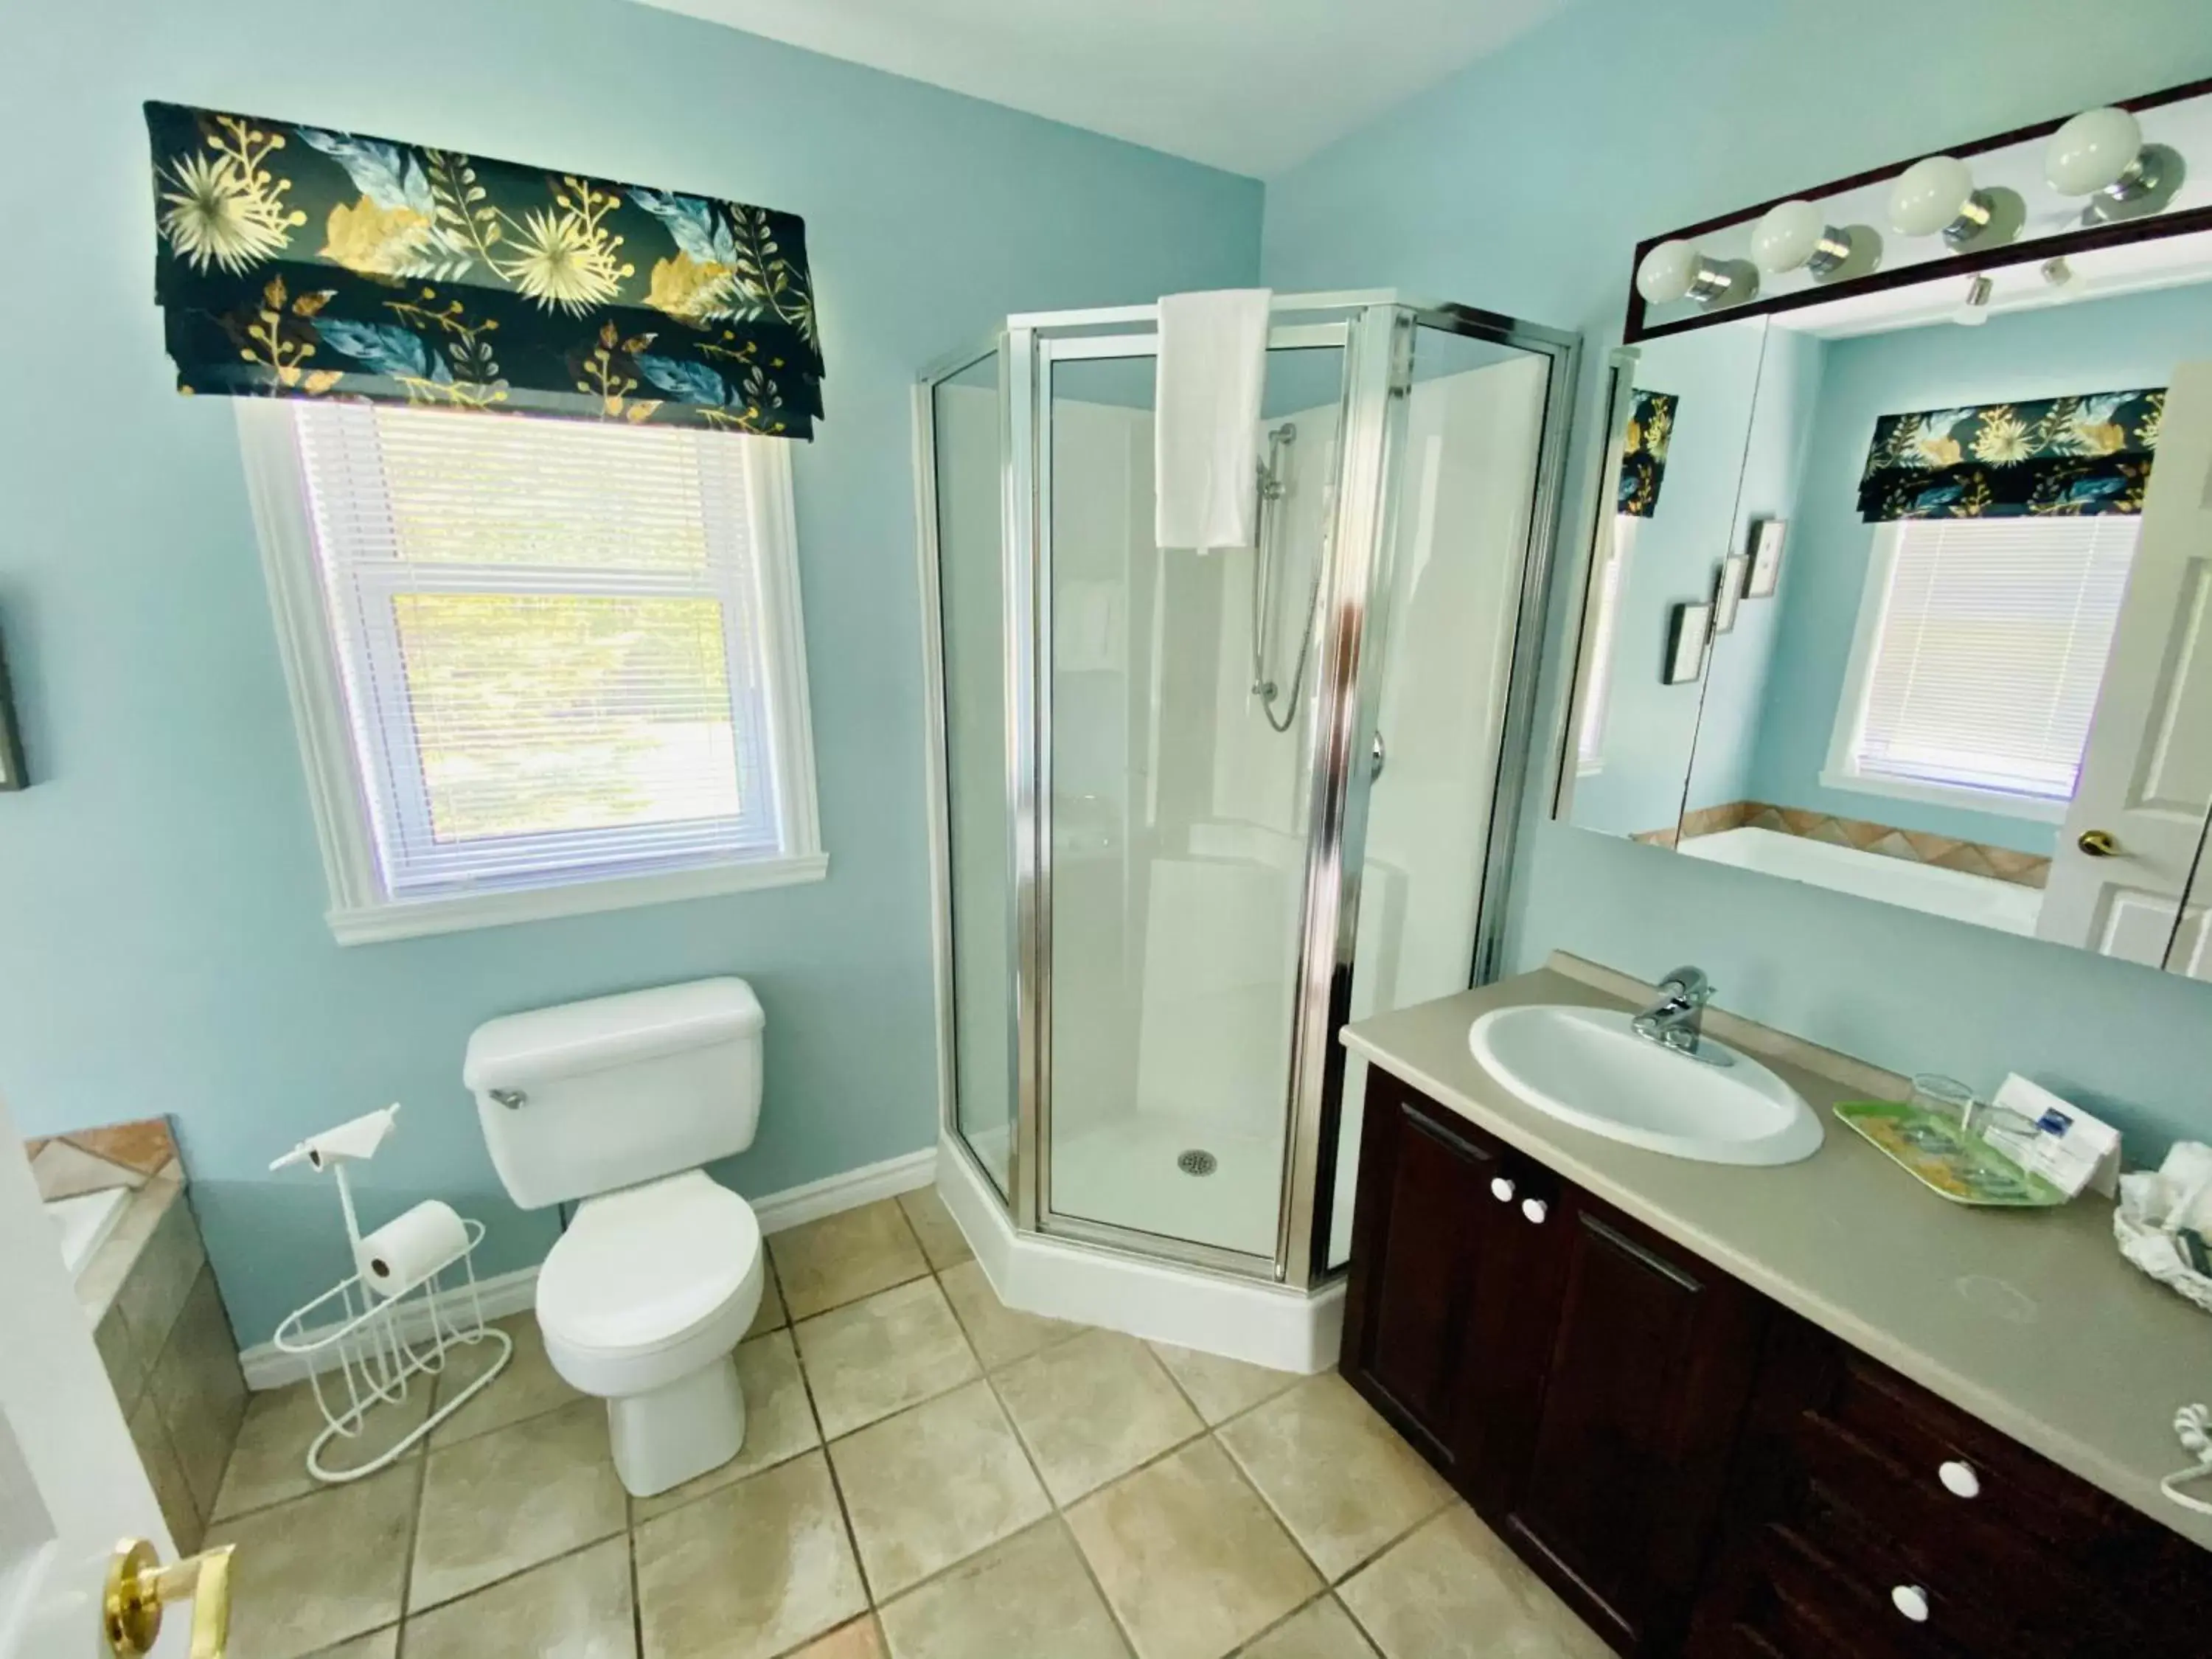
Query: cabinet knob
[[1501, 1190], [1959, 1479], [1535, 1208], [1911, 1601]]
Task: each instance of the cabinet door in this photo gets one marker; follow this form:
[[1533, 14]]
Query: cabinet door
[[1649, 1368], [1448, 1311]]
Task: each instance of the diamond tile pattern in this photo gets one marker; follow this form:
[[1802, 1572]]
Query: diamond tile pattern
[[926, 1474]]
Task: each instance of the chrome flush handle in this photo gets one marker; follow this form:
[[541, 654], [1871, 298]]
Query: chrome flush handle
[[513, 1099]]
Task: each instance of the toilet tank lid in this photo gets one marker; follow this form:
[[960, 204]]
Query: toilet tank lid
[[518, 1049]]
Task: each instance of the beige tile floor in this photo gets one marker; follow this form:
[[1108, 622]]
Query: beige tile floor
[[926, 1474]]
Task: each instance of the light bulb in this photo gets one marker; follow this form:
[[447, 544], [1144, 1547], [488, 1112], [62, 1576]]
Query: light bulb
[[1667, 272], [1934, 195], [2098, 150], [1794, 233], [1786, 237]]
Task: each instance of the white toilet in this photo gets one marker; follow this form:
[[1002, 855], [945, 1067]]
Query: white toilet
[[618, 1102]]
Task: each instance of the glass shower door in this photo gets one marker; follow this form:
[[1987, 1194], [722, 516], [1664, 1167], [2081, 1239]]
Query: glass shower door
[[1175, 770], [973, 621]]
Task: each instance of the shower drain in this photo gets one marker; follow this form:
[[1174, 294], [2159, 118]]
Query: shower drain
[[1198, 1161]]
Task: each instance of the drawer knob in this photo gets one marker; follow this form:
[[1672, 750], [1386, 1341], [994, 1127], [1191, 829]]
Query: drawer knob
[[1959, 1479], [1911, 1601], [1535, 1208], [1502, 1189]]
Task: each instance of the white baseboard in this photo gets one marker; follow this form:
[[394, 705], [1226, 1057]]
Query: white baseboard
[[797, 1204], [267, 1366]]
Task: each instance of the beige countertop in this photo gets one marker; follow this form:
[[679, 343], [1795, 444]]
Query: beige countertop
[[2029, 1320]]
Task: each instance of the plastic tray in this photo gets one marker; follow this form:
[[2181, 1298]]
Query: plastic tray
[[1966, 1170]]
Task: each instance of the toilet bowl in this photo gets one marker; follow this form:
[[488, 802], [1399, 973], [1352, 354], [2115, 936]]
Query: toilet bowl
[[619, 1102], [642, 1302]]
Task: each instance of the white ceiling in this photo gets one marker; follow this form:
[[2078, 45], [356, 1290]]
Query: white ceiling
[[1254, 86]]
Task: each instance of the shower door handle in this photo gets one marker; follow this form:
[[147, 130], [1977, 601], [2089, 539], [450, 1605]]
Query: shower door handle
[[1377, 760]]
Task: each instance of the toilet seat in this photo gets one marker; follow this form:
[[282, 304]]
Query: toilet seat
[[649, 1283]]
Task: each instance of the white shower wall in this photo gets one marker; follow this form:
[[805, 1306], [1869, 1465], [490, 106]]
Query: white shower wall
[[1467, 487]]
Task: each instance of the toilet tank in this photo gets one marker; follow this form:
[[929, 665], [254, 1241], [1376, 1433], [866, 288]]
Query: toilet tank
[[592, 1096]]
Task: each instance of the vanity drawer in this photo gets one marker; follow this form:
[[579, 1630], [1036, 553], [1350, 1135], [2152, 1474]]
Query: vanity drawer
[[1936, 1444], [1811, 1604], [1990, 1587]]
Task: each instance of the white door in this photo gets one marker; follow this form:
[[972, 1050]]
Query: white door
[[70, 1482], [2131, 836]]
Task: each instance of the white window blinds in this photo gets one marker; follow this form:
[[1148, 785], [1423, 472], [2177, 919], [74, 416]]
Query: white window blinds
[[1991, 646], [549, 634]]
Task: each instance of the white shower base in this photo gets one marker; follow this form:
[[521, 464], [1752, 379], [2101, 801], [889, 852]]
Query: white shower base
[[1252, 1320], [1124, 1171]]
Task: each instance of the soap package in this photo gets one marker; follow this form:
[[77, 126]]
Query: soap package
[[2052, 1137]]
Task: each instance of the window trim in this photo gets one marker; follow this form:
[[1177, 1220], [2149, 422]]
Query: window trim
[[360, 912], [1850, 710]]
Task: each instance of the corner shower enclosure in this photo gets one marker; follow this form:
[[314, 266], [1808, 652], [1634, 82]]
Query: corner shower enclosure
[[1194, 811]]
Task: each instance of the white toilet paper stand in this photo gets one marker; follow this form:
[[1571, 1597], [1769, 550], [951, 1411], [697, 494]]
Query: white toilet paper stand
[[365, 1348]]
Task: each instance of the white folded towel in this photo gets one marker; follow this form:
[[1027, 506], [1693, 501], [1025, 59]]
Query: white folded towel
[[1206, 438]]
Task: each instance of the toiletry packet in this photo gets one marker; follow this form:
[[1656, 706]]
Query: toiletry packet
[[2067, 1146]]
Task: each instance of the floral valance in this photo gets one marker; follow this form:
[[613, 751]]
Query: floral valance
[[2076, 456], [1643, 452], [294, 261]]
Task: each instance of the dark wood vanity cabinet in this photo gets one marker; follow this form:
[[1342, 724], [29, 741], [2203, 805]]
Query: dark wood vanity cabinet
[[1577, 1376], [1696, 1470], [1453, 1322]]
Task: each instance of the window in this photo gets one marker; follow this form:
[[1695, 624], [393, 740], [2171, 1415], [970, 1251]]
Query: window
[[540, 666], [1610, 578], [1981, 646]]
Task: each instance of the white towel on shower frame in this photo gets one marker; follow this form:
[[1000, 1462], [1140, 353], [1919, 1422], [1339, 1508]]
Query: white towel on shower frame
[[1206, 430]]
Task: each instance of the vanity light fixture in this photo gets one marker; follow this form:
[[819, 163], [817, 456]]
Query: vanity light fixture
[[2101, 153], [1794, 233], [1676, 270], [1938, 194], [1974, 310]]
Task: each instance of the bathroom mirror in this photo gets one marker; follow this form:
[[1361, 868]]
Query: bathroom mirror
[[1950, 544]]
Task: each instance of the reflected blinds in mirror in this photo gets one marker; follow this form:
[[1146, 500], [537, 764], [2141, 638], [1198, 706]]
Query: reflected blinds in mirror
[[1992, 645]]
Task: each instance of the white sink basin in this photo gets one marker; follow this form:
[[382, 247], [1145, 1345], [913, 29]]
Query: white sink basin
[[1584, 1067]]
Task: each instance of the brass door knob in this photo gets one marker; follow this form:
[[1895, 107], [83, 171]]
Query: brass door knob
[[2097, 843], [139, 1588]]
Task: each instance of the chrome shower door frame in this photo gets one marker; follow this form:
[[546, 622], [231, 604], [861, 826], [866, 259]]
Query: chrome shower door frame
[[1359, 623], [1377, 331], [1075, 338]]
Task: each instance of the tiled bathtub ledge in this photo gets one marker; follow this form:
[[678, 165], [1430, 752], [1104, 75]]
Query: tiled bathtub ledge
[[157, 1317]]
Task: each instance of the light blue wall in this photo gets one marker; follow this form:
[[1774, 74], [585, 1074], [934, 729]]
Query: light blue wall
[[1522, 184], [2090, 346], [162, 941], [1651, 726]]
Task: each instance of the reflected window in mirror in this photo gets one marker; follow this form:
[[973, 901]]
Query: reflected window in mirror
[[1980, 645]]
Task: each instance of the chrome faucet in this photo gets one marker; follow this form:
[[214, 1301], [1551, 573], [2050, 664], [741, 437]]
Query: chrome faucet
[[1676, 1021]]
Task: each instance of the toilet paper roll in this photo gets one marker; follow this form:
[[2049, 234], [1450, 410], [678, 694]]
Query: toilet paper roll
[[409, 1250]]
